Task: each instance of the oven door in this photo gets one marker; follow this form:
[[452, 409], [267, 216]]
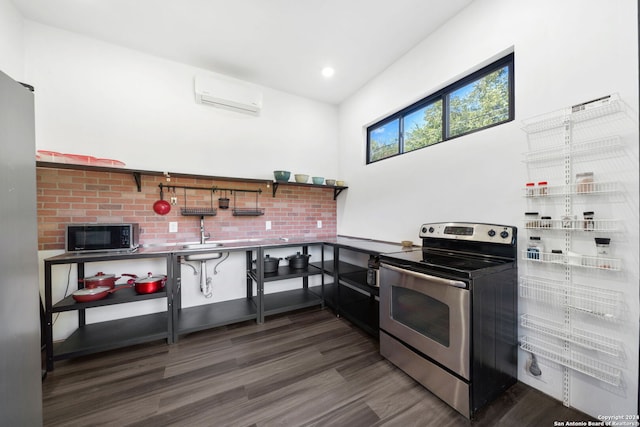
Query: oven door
[[428, 313]]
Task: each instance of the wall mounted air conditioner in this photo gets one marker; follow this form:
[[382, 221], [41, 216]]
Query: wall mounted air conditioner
[[228, 95]]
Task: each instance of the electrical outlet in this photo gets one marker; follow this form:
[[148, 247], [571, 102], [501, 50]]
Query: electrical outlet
[[173, 227], [267, 225], [319, 224]]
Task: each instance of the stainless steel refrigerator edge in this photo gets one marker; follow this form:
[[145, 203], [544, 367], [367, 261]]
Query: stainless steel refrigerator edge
[[20, 359]]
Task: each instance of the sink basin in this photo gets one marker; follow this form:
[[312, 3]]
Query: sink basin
[[211, 245], [202, 256]]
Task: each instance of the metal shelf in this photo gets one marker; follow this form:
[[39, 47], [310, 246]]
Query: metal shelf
[[192, 319], [597, 147], [336, 189], [284, 272], [137, 174], [577, 260], [581, 337], [592, 225], [574, 360], [103, 336], [601, 303], [282, 302], [119, 297], [328, 293], [579, 189], [599, 108]]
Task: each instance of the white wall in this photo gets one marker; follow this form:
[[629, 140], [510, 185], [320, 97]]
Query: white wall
[[103, 100], [11, 41], [566, 52], [562, 58]]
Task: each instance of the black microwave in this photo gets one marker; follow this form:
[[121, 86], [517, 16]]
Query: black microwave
[[101, 237]]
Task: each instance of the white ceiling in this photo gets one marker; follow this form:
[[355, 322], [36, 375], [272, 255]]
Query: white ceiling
[[282, 44]]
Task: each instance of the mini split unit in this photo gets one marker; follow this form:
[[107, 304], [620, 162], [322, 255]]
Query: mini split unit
[[228, 95]]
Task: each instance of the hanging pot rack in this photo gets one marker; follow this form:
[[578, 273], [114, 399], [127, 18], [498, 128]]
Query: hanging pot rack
[[256, 211], [212, 211]]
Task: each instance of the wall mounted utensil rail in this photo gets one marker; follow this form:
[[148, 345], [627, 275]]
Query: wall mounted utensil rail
[[211, 211]]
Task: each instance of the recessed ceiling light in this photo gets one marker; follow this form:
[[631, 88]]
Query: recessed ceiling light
[[328, 72]]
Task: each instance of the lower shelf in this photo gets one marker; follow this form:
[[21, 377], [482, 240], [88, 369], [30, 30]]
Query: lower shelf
[[361, 310], [330, 294], [281, 302], [113, 334], [576, 361], [207, 316]]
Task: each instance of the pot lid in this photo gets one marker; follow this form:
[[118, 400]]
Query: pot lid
[[150, 279], [299, 255], [99, 276], [91, 291]]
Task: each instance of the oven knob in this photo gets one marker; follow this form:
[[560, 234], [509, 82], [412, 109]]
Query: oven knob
[[504, 234], [491, 233], [431, 229], [424, 229]]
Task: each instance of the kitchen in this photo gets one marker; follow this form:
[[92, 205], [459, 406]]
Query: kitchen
[[97, 98]]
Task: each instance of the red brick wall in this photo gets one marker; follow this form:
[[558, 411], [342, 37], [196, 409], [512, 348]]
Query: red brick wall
[[75, 196]]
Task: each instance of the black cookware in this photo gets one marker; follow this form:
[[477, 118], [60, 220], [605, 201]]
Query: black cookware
[[270, 264], [298, 261]]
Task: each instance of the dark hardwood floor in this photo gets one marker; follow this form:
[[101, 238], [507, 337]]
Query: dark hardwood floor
[[307, 368]]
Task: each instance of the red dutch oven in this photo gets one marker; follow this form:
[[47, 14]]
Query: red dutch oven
[[99, 280], [147, 285]]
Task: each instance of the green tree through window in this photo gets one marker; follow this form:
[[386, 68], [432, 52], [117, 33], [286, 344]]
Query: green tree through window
[[480, 100], [480, 104], [425, 128]]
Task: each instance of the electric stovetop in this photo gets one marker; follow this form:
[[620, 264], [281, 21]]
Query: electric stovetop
[[458, 264]]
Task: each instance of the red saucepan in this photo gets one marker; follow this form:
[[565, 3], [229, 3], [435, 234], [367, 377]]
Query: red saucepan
[[97, 293], [147, 285], [100, 279]]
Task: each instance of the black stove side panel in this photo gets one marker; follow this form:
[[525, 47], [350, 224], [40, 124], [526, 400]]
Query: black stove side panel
[[494, 336]]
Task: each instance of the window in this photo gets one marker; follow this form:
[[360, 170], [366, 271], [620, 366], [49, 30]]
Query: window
[[478, 101], [384, 140]]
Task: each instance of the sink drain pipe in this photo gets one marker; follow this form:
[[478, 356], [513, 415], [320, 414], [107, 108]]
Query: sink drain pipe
[[205, 282]]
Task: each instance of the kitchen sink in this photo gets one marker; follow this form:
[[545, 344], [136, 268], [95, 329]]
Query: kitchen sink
[[202, 256]]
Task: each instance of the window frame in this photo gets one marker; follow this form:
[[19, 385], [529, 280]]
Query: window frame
[[443, 96]]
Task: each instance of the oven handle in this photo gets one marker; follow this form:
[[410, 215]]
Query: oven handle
[[438, 280]]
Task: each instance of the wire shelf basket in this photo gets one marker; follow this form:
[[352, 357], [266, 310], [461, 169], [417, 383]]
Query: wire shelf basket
[[198, 211], [600, 147], [573, 189], [248, 212], [574, 360], [573, 224], [581, 337], [599, 108], [575, 260], [601, 303]]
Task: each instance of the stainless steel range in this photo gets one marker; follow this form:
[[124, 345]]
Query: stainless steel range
[[448, 312]]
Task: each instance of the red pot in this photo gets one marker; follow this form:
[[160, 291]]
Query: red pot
[[147, 285], [100, 279], [96, 293], [162, 207]]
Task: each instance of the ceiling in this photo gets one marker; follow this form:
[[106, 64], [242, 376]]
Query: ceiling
[[282, 44]]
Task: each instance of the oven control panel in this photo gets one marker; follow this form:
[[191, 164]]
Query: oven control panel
[[468, 231]]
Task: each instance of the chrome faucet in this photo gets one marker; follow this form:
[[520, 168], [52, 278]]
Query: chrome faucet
[[203, 235]]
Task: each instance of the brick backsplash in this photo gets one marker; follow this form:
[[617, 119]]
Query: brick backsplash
[[76, 196]]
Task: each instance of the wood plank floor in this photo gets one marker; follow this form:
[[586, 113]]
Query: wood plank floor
[[307, 368]]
